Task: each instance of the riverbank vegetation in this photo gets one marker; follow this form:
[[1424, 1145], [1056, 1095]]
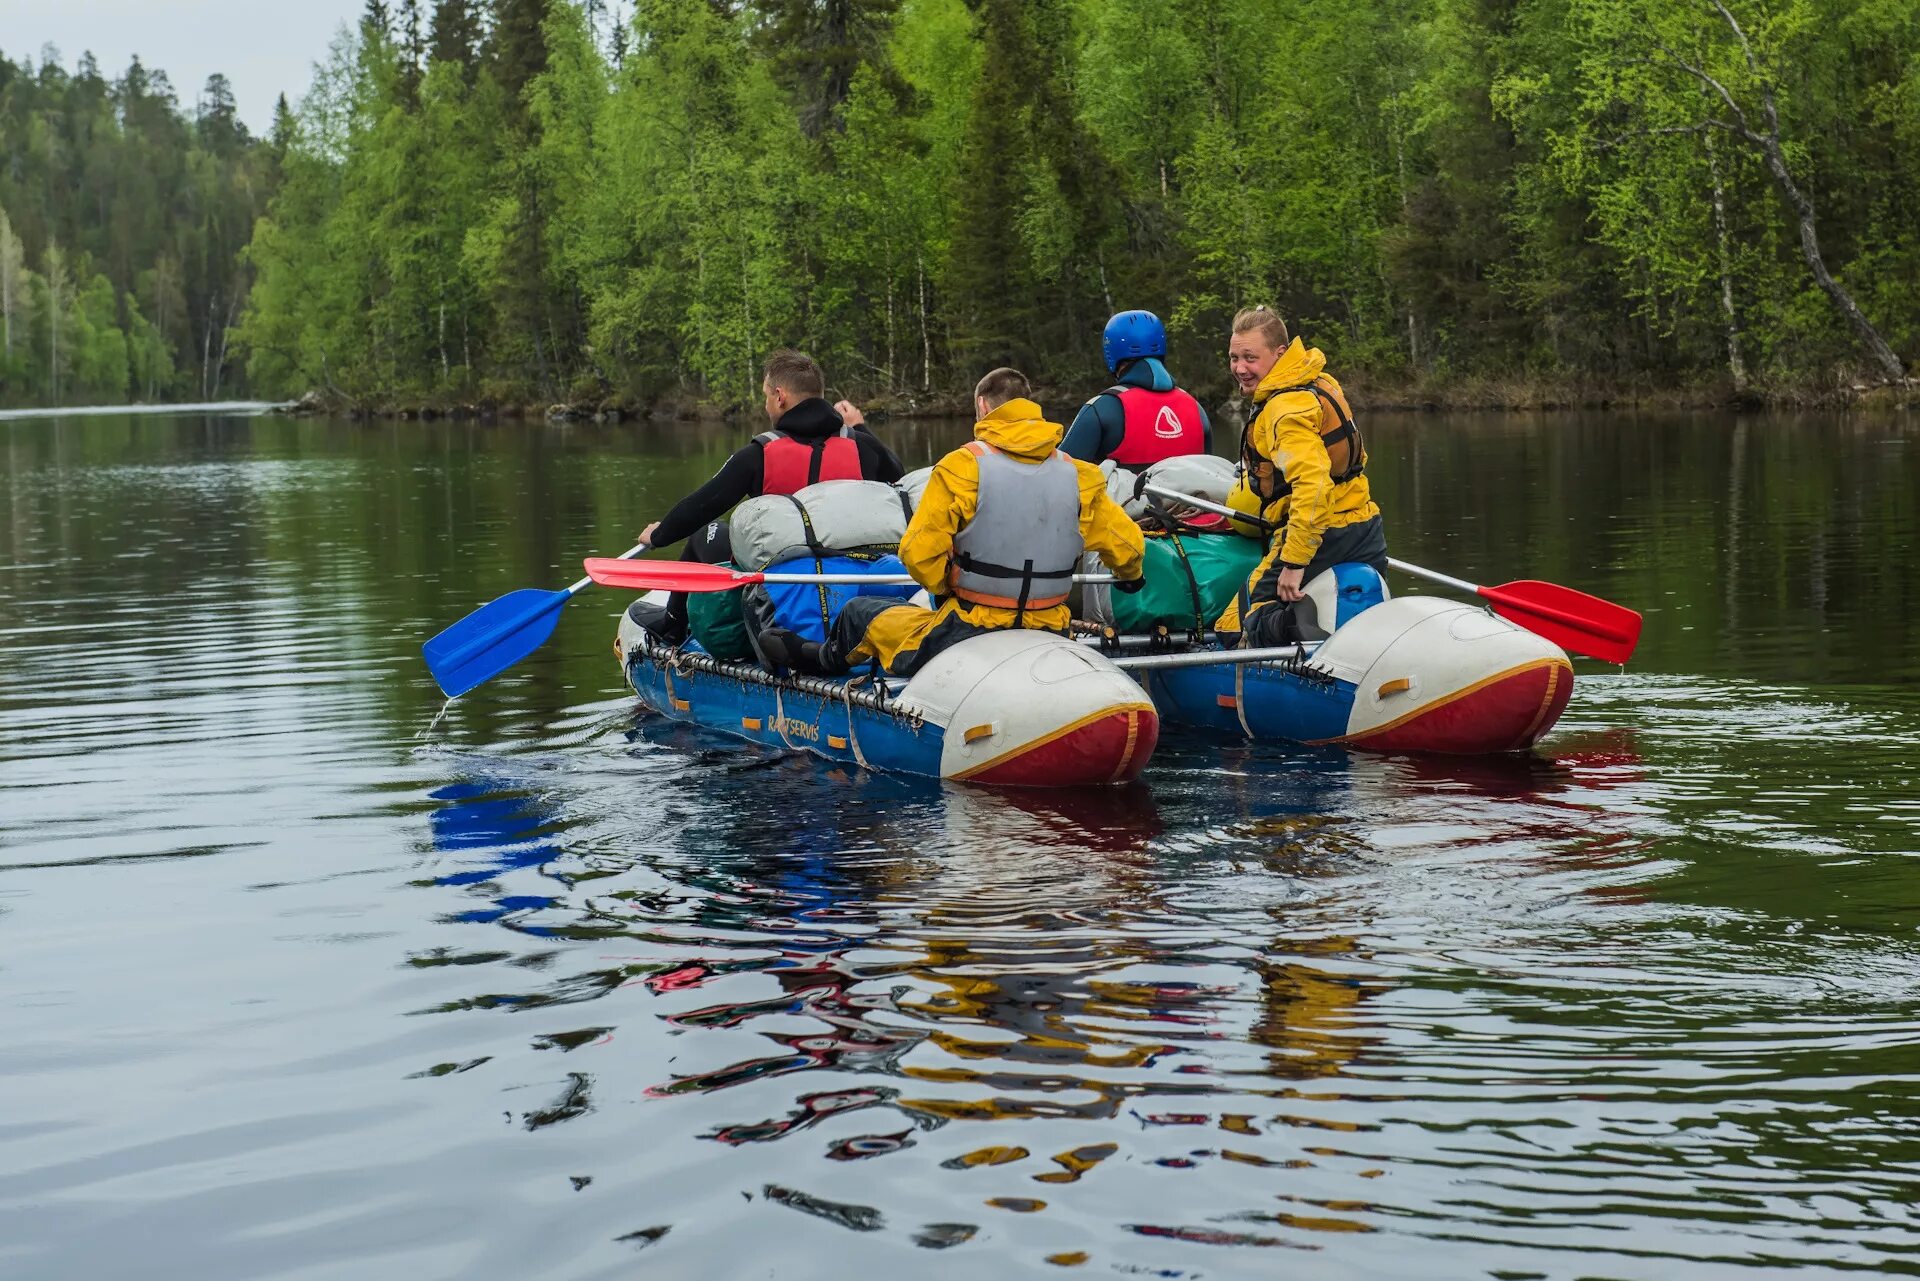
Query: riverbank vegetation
[[523, 202], [122, 225]]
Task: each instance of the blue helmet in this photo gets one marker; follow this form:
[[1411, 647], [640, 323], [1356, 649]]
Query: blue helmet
[[1133, 334]]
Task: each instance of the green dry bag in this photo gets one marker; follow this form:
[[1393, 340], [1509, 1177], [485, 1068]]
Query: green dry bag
[[1181, 568], [714, 619]]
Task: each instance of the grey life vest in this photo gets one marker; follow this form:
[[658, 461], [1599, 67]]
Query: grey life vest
[[1021, 547]]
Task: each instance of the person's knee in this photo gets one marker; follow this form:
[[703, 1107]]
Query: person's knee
[[856, 617], [1272, 625]]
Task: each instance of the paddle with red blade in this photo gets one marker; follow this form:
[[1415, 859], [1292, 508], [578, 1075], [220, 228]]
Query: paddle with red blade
[[1571, 619], [692, 576]]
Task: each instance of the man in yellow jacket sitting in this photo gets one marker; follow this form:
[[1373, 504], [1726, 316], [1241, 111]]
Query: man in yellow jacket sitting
[[997, 537], [1304, 475]]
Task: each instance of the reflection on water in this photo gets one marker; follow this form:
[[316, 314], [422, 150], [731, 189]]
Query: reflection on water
[[295, 988], [1375, 1000]]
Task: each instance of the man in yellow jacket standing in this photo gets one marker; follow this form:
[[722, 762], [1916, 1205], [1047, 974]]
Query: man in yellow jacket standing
[[996, 539], [1305, 475]]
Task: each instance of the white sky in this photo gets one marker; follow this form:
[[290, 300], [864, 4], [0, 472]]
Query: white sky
[[265, 47]]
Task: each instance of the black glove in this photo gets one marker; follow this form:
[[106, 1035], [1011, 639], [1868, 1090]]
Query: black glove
[[1130, 585]]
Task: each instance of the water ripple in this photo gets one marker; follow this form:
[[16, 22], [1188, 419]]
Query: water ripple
[[308, 975]]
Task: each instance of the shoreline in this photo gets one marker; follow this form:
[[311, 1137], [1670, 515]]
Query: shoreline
[[1479, 395], [1466, 395]]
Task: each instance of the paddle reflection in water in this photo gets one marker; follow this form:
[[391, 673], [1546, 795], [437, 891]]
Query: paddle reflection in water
[[506, 831]]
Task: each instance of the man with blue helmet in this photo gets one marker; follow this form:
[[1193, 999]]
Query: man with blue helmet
[[1144, 417]]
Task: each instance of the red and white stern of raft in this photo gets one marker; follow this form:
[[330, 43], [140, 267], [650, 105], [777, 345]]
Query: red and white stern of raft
[[1436, 675], [1032, 709]]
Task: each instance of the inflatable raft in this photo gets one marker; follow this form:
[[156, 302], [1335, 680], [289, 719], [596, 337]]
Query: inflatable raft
[[1405, 674], [1410, 674], [1011, 709]]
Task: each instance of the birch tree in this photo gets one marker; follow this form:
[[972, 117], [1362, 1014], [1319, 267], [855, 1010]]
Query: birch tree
[[13, 267], [58, 288], [1671, 87]]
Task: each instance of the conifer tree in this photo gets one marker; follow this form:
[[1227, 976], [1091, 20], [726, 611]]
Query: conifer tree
[[454, 34], [817, 46], [533, 329], [218, 122], [1031, 222], [517, 48], [280, 136], [413, 51]]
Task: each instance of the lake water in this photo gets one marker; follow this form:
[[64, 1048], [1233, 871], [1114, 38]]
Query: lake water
[[296, 982]]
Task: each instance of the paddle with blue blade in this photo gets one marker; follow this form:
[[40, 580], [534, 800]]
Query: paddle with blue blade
[[499, 634]]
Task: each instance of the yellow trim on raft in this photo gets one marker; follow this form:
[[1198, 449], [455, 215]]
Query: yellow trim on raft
[[1133, 739], [1555, 663], [1546, 700], [1062, 732]]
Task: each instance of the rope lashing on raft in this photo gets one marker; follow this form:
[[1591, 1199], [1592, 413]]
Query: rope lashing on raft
[[853, 731], [1240, 698], [685, 661]]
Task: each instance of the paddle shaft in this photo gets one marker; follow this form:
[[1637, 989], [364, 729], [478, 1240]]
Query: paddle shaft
[[698, 576], [1458, 584], [1207, 505], [1615, 627], [1432, 576], [587, 582], [891, 580], [1209, 658]]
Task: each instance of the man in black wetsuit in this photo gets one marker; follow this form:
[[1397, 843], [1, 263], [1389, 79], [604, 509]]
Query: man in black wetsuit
[[809, 441]]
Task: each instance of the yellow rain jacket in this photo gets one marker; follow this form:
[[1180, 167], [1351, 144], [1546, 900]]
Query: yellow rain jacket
[[952, 495], [1285, 439], [1285, 435]]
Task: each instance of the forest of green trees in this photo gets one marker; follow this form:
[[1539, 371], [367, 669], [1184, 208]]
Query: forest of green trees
[[123, 223], [527, 201]]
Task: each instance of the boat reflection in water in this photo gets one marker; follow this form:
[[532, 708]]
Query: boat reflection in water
[[1011, 957], [1011, 992]]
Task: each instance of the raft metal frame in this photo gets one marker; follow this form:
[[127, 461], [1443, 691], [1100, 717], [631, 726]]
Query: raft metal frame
[[1297, 661]]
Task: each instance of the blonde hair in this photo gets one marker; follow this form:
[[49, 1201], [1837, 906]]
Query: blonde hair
[[1267, 322], [1002, 385]]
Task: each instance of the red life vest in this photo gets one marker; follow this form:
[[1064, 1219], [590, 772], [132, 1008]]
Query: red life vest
[[788, 466], [1160, 424]]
